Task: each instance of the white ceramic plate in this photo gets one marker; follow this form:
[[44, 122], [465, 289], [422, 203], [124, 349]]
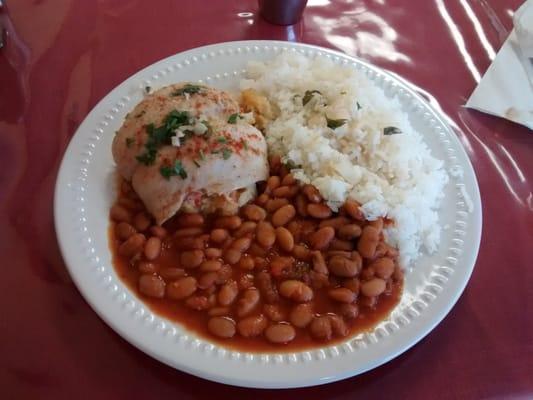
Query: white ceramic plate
[[85, 191]]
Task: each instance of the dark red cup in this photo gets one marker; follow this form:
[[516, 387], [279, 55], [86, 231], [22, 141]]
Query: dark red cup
[[282, 12]]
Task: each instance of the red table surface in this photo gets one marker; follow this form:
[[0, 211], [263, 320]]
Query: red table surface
[[63, 56]]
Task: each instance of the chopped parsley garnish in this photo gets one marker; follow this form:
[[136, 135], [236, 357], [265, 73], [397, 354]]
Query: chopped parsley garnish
[[176, 170], [222, 139], [196, 163], [335, 123], [140, 114], [358, 105], [161, 135], [187, 88], [308, 96], [129, 141], [226, 153], [147, 89], [391, 130], [233, 118]]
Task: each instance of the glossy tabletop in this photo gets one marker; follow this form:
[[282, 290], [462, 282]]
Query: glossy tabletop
[[62, 56]]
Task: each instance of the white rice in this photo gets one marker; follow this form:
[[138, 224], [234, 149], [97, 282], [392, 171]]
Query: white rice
[[389, 175]]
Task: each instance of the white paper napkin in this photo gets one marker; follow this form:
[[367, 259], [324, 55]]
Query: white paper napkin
[[506, 89]]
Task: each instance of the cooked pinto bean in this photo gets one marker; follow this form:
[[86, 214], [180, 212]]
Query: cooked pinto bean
[[262, 199], [265, 234], [319, 264], [280, 264], [197, 303], [338, 326], [301, 252], [284, 239], [181, 288], [320, 328], [321, 238], [288, 180], [248, 301], [343, 245], [343, 267], [283, 215], [377, 224], [223, 327], [152, 248], [246, 281], [351, 283], [342, 295], [219, 235], [312, 193], [230, 222], [152, 285], [246, 229], [210, 265], [207, 279], [132, 246], [228, 292], [373, 287], [301, 205], [141, 221], [335, 223], [368, 273], [158, 231], [274, 312], [319, 210], [272, 183], [252, 326], [384, 267], [190, 243], [398, 274], [218, 311], [301, 315], [241, 244], [368, 242], [124, 230], [191, 258], [188, 220], [349, 311], [172, 273], [352, 209], [188, 232], [254, 212], [282, 191], [267, 288], [273, 204], [280, 333], [257, 251], [232, 256], [296, 291], [224, 274], [341, 253], [275, 163], [349, 232], [246, 262], [120, 214], [147, 267], [213, 252]]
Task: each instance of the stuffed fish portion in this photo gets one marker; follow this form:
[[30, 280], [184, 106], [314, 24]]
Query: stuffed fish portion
[[185, 147]]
